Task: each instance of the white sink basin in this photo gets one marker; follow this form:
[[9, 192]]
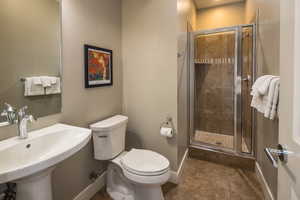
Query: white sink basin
[[29, 162]]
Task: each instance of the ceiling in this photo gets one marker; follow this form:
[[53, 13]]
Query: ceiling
[[212, 3]]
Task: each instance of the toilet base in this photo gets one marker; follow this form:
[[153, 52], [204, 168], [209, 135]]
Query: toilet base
[[148, 192], [120, 187]]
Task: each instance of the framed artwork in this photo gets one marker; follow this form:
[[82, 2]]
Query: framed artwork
[[98, 66]]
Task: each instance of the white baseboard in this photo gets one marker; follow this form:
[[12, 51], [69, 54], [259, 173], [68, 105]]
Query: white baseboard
[[92, 189], [175, 176], [266, 189]]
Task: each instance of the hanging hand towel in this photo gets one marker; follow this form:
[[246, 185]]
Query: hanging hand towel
[[260, 93], [263, 89], [259, 101], [271, 98], [54, 88], [261, 85], [32, 89], [274, 109], [46, 81], [37, 80]]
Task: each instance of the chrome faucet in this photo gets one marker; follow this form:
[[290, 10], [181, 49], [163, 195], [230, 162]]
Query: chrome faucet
[[17, 117], [23, 118]]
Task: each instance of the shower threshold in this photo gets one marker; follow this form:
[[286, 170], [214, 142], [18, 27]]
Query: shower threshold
[[216, 139]]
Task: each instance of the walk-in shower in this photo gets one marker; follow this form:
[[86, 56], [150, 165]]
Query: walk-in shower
[[221, 74]]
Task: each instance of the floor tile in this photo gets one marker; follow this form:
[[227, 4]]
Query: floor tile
[[203, 180]]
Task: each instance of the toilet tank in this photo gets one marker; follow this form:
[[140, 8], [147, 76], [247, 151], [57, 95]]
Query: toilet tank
[[109, 137]]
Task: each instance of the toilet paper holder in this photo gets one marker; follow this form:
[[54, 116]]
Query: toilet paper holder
[[168, 123]]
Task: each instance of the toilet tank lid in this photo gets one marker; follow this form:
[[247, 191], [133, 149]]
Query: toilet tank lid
[[109, 123]]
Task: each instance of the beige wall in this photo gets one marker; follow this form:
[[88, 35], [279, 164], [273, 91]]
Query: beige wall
[[268, 50], [26, 38], [96, 22], [221, 16], [149, 49], [186, 13]]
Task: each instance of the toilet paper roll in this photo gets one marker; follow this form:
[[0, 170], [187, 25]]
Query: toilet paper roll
[[166, 132]]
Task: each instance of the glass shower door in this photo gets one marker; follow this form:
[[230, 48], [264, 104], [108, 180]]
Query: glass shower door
[[215, 56], [221, 76]]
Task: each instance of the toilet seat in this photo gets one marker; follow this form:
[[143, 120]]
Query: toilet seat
[[145, 163]]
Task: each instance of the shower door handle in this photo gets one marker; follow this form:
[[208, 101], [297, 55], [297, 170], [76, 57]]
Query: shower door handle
[[248, 78]]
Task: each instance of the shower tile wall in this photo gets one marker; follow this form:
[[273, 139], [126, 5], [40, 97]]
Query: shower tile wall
[[214, 83]]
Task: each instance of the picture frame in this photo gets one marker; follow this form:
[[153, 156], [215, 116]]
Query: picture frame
[[98, 66]]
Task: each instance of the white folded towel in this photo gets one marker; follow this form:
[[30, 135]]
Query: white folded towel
[[37, 80], [261, 85], [32, 89], [53, 80], [259, 101], [264, 87], [271, 95], [46, 81], [54, 88], [274, 109], [265, 95]]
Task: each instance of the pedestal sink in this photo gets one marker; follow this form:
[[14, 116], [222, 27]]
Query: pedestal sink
[[29, 162]]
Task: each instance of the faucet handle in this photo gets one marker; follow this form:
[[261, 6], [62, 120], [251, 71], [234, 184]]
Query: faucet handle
[[4, 113], [9, 108], [22, 111], [9, 112]]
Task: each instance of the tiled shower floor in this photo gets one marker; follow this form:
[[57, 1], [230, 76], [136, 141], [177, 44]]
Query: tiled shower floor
[[225, 141]]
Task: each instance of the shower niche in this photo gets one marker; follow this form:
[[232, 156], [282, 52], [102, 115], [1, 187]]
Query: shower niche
[[221, 75]]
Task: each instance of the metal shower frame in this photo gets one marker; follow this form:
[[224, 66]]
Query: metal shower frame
[[237, 147]]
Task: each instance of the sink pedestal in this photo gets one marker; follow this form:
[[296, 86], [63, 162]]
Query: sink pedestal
[[35, 187]]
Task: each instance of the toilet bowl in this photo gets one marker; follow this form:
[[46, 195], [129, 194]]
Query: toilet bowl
[[134, 175], [137, 175]]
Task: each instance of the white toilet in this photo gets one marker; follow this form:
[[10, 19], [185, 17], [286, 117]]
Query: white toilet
[[134, 175]]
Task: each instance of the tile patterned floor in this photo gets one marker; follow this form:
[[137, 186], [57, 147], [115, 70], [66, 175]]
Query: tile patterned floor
[[202, 180], [216, 139]]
